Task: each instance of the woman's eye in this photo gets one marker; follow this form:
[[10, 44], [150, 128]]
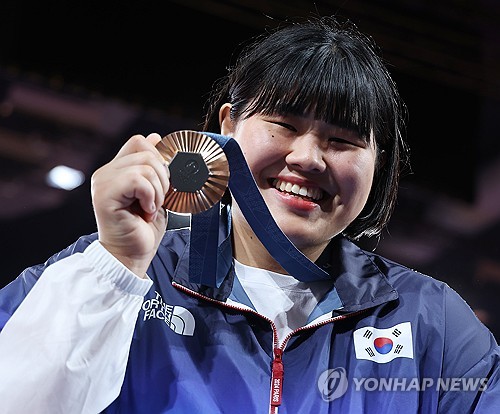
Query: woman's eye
[[340, 140], [285, 125]]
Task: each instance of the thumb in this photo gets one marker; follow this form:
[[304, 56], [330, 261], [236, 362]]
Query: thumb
[[153, 138]]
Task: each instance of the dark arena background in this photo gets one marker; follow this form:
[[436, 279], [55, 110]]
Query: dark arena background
[[78, 78]]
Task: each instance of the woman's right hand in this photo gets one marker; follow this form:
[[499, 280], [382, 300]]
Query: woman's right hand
[[127, 195]]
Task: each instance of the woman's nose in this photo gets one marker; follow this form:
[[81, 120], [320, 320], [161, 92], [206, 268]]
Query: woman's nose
[[306, 154]]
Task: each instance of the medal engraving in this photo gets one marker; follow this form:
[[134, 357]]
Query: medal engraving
[[199, 171], [188, 172]]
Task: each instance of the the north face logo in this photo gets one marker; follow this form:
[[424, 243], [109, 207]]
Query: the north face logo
[[179, 319]]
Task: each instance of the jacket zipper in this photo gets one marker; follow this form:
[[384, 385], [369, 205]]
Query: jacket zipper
[[277, 374], [277, 368]]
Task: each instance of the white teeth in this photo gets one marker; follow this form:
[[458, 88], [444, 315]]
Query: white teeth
[[314, 193]]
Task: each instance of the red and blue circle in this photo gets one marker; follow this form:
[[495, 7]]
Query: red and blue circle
[[383, 345]]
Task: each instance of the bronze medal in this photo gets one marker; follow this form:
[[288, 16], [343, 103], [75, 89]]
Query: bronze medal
[[199, 171]]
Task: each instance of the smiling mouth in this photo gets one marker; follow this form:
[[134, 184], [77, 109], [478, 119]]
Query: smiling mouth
[[314, 194]]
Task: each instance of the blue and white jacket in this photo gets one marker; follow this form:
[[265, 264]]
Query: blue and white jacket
[[402, 342]]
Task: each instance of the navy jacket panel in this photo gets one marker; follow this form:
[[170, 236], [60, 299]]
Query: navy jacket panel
[[236, 347]]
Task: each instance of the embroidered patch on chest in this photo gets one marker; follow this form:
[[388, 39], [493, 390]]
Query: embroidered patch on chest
[[384, 345]]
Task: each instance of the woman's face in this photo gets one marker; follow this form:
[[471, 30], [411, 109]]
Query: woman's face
[[314, 177]]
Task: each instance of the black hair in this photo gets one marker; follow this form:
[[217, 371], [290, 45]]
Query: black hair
[[330, 68]]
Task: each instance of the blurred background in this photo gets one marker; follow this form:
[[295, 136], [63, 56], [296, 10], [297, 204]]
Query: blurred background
[[78, 79]]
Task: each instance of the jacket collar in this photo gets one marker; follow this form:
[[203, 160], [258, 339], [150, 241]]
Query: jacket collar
[[359, 282]]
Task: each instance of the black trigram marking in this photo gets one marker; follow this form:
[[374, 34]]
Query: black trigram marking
[[398, 348], [396, 332], [370, 351], [368, 334]]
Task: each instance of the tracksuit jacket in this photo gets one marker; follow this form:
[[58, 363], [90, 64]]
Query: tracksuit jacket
[[402, 342]]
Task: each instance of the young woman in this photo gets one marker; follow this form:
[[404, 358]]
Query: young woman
[[115, 323]]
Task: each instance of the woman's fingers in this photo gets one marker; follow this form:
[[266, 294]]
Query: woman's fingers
[[139, 158], [144, 165], [142, 183]]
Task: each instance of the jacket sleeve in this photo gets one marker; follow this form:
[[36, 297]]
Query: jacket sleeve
[[470, 380], [14, 293], [65, 348]]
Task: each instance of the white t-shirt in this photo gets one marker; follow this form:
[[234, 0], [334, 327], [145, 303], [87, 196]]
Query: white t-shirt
[[282, 298]]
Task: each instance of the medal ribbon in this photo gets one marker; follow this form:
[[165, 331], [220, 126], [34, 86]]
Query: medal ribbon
[[206, 264]]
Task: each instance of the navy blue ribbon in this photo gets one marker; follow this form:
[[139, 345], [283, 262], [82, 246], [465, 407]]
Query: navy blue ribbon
[[207, 265]]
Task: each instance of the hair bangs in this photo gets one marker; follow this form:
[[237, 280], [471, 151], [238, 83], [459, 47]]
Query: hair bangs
[[337, 96]]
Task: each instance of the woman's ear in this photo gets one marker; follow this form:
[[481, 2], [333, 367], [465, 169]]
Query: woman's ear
[[381, 158], [225, 122]]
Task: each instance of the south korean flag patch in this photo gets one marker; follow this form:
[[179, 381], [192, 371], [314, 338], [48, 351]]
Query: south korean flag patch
[[384, 345]]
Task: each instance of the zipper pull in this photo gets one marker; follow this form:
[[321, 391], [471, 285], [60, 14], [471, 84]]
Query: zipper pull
[[277, 378]]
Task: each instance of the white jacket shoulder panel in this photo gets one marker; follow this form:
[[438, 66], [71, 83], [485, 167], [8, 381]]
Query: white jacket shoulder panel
[[71, 333]]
